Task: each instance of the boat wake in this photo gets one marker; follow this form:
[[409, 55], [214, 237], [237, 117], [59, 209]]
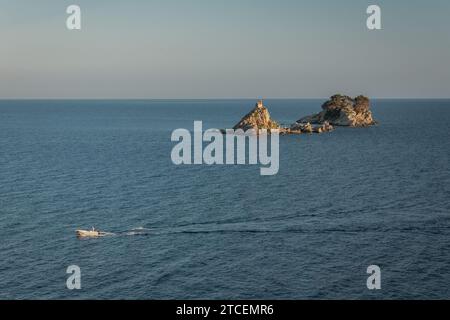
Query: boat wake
[[141, 231]]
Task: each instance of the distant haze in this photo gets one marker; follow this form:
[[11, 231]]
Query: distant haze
[[224, 49]]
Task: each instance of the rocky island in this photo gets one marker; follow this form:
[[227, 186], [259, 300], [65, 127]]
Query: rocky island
[[259, 119], [338, 111], [342, 110]]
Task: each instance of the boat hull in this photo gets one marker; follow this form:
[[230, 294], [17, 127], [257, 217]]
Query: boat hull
[[87, 234]]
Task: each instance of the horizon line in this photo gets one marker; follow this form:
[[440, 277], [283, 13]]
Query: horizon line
[[215, 98]]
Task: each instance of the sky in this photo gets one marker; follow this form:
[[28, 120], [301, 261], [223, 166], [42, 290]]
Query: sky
[[181, 49]]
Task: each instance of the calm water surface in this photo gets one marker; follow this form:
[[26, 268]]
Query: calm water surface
[[340, 202]]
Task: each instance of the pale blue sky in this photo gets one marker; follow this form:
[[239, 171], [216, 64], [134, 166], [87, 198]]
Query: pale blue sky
[[224, 49]]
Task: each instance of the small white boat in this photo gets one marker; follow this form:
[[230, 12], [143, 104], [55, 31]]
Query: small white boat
[[89, 233]]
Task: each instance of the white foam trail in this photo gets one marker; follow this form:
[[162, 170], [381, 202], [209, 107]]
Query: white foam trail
[[108, 234]]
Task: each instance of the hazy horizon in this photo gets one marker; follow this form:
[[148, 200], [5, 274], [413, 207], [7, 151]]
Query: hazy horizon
[[213, 98], [169, 49]]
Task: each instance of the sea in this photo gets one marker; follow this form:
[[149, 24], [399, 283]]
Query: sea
[[341, 202]]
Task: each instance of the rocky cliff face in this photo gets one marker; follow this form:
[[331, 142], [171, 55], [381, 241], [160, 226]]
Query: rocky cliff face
[[343, 111], [257, 119]]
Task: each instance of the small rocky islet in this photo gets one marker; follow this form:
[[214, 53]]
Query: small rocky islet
[[339, 110], [343, 111]]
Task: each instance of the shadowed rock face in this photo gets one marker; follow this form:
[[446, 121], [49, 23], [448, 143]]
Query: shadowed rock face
[[343, 111], [257, 119]]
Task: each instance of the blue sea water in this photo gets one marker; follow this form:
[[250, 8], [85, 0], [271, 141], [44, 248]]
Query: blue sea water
[[341, 202]]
